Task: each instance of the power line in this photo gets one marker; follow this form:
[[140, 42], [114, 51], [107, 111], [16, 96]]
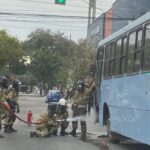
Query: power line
[[78, 6], [55, 16], [42, 15], [72, 5], [25, 27], [48, 23], [54, 4], [41, 22], [44, 10], [41, 2], [54, 24]]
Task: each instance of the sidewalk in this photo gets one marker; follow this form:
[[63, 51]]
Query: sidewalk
[[93, 128], [95, 133]]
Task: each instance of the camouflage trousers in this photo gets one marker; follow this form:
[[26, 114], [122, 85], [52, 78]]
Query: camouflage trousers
[[3, 115], [45, 132], [42, 133], [10, 119], [64, 124], [80, 115]]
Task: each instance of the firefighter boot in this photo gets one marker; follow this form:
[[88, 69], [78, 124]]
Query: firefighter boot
[[54, 132], [1, 136], [7, 129], [33, 134], [62, 132], [73, 133], [83, 137], [12, 129]]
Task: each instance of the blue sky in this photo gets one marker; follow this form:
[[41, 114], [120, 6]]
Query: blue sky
[[21, 27]]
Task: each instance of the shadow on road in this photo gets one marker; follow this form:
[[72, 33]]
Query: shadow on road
[[124, 145]]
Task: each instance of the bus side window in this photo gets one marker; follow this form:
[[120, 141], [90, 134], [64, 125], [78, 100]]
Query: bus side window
[[131, 49], [111, 59], [107, 57], [146, 63], [123, 56], [138, 51], [117, 57]]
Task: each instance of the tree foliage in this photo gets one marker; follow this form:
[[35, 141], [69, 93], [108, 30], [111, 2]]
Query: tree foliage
[[45, 60], [83, 58], [10, 50], [56, 59]]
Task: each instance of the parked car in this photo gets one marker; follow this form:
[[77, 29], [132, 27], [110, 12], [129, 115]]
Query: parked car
[[23, 88], [53, 96]]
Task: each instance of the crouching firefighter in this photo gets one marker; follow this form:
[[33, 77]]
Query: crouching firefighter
[[63, 115], [47, 123]]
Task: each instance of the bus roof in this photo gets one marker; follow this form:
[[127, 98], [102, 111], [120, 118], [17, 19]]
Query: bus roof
[[130, 26]]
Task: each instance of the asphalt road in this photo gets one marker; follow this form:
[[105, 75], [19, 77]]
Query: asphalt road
[[22, 141]]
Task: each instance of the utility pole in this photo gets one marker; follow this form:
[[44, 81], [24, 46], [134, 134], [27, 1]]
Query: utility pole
[[68, 73], [91, 13]]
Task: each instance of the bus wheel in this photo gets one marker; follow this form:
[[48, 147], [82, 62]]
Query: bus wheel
[[111, 136]]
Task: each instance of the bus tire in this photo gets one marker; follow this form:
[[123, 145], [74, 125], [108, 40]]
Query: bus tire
[[111, 136]]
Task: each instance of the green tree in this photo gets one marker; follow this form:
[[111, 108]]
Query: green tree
[[45, 64], [45, 60], [19, 67], [56, 59], [82, 60], [39, 39], [10, 50]]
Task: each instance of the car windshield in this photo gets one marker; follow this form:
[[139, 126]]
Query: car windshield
[[57, 94], [54, 95]]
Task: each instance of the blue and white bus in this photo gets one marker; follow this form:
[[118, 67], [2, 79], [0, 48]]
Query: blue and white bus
[[123, 61]]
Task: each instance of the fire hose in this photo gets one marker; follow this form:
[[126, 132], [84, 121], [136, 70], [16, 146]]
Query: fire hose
[[7, 107]]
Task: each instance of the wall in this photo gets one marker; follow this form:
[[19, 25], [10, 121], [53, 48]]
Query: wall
[[108, 23], [123, 11]]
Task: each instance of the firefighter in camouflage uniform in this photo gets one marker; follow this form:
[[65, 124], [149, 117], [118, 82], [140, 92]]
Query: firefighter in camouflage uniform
[[12, 100], [4, 106], [79, 106]]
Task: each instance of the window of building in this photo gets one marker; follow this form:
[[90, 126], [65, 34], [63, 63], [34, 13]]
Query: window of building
[[146, 63]]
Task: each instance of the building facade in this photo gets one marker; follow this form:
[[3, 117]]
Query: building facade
[[121, 14], [126, 11], [95, 31]]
